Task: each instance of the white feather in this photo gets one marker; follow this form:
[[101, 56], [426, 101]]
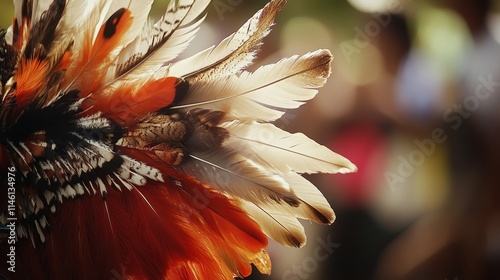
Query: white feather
[[18, 6], [231, 173], [270, 193], [278, 225], [264, 94], [139, 11], [233, 53], [314, 205], [75, 13], [163, 41], [282, 151]]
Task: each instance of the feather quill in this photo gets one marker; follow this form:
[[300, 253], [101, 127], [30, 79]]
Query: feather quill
[[229, 172], [284, 152]]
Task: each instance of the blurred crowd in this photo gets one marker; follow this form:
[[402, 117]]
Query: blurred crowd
[[414, 102]]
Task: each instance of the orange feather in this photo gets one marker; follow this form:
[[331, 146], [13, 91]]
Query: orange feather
[[127, 104], [95, 57], [110, 34], [236, 239], [65, 61], [30, 77]]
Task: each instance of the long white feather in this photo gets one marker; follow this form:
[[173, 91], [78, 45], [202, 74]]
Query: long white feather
[[232, 173], [239, 177], [264, 94], [233, 53], [312, 205], [282, 151]]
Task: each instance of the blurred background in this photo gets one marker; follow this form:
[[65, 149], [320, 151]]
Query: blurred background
[[414, 102]]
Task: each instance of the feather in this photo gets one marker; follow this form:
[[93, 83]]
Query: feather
[[264, 94], [230, 172], [163, 41], [43, 31], [75, 13], [84, 37], [126, 162], [119, 23], [139, 13], [281, 227], [314, 205], [30, 76], [241, 238], [18, 6], [278, 150], [271, 205], [129, 103], [110, 36], [233, 53], [39, 7]]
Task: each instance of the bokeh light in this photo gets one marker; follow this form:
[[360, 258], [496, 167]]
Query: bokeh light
[[373, 6]]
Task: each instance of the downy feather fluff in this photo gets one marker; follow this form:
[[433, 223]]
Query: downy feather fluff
[[128, 164]]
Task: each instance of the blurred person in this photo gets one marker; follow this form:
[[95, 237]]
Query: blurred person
[[462, 240]]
